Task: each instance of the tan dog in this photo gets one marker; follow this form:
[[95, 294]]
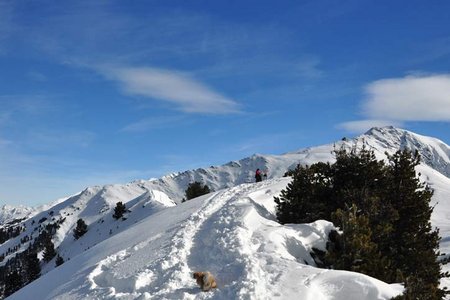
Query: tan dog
[[205, 280]]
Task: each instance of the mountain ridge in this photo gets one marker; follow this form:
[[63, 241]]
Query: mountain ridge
[[146, 199], [433, 151]]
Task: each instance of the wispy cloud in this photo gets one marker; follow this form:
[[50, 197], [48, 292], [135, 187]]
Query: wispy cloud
[[412, 98], [188, 94], [395, 101], [206, 46]]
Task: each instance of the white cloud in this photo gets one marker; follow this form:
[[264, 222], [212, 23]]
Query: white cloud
[[178, 88], [412, 98], [394, 101], [362, 126]]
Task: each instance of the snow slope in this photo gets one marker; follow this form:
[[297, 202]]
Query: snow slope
[[231, 232]]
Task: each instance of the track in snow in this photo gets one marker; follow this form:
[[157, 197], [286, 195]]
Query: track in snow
[[210, 239], [201, 240]]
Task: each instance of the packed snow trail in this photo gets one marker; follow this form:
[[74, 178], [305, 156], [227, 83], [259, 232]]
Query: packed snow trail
[[220, 247], [178, 273]]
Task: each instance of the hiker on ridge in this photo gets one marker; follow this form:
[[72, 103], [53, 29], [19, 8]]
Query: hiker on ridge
[[258, 175]]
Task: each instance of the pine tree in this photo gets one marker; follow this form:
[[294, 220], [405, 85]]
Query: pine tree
[[307, 197], [59, 260], [119, 210], [32, 267], [384, 214], [49, 250], [13, 282], [80, 230], [357, 178], [355, 249], [196, 189], [416, 242]]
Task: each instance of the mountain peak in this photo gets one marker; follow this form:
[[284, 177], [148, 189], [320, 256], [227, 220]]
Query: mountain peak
[[433, 152], [386, 131], [9, 212]]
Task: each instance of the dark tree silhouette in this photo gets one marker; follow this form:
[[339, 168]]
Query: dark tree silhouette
[[32, 267], [80, 230], [59, 260], [196, 189], [49, 250], [119, 210]]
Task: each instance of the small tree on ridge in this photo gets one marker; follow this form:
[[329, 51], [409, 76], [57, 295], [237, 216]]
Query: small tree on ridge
[[80, 230], [196, 189]]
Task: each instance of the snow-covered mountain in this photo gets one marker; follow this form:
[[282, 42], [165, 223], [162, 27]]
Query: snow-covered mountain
[[10, 213], [231, 232], [434, 152]]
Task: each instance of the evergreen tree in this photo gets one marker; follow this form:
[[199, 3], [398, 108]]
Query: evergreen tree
[[306, 197], [32, 267], [49, 250], [59, 260], [416, 242], [357, 178], [119, 210], [384, 214], [13, 282], [355, 249], [196, 189], [80, 230]]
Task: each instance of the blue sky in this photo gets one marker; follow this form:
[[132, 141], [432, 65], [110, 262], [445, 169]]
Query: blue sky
[[96, 92]]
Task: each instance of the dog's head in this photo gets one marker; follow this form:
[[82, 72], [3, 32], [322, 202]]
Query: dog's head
[[199, 278]]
